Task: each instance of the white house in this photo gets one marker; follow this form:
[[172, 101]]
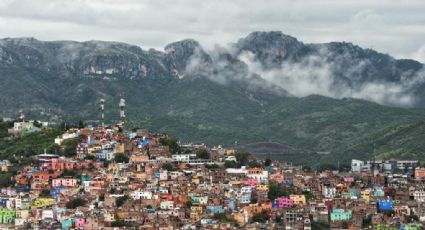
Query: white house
[[167, 205], [138, 194]]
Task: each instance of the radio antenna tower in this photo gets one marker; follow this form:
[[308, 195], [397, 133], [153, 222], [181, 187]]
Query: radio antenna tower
[[102, 113], [122, 109]]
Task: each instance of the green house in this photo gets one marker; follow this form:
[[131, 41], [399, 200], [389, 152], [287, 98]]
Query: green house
[[341, 215], [7, 216]]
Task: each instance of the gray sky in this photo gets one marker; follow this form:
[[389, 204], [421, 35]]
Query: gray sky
[[390, 26]]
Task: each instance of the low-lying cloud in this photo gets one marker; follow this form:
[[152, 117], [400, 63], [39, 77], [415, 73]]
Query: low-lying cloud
[[314, 74]]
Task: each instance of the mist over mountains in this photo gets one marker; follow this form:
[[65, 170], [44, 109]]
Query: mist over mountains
[[268, 60], [265, 87]]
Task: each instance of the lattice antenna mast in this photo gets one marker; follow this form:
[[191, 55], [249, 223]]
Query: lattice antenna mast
[[102, 113], [122, 109]]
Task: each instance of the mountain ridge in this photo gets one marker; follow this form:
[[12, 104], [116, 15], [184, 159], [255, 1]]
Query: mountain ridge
[[249, 93]]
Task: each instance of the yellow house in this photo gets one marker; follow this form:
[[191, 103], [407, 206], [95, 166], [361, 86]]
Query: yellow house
[[230, 152], [262, 187], [298, 199], [195, 217], [140, 176], [197, 209], [119, 148], [42, 202], [365, 195], [195, 180]]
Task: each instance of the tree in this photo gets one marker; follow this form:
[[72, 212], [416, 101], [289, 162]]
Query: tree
[[6, 179], [70, 146], [211, 166], [90, 157], [254, 164], [81, 124], [37, 124], [306, 168], [275, 191], [121, 200], [118, 223], [171, 142], [230, 164], [69, 173], [202, 154], [168, 167], [267, 162], [45, 193], [121, 158], [261, 217], [77, 202], [242, 158]]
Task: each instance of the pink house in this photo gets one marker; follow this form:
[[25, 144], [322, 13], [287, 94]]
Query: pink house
[[79, 222], [66, 182], [277, 177], [283, 202], [250, 182], [349, 179]]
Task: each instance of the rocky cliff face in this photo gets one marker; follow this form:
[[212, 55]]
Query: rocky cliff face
[[276, 61]]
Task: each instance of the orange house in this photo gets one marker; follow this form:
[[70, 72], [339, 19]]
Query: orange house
[[42, 176], [255, 171]]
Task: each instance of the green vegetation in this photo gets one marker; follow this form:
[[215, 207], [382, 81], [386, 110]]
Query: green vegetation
[[121, 158], [223, 218], [203, 154], [74, 203], [69, 173], [171, 142], [231, 164], [68, 147], [277, 190], [261, 217], [169, 167], [118, 223], [6, 179], [22, 149], [320, 225], [316, 129], [121, 200]]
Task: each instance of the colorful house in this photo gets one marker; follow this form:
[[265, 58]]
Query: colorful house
[[65, 182], [298, 199], [341, 215], [283, 202], [199, 200], [385, 205], [7, 216], [42, 202], [215, 209]]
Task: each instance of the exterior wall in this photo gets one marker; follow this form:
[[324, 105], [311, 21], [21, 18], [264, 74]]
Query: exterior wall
[[67, 182], [298, 199], [420, 173], [167, 205], [341, 215]]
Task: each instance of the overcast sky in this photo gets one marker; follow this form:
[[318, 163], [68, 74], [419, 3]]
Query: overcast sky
[[396, 27]]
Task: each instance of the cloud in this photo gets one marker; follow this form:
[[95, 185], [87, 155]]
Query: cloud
[[420, 54], [393, 27], [313, 74]]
